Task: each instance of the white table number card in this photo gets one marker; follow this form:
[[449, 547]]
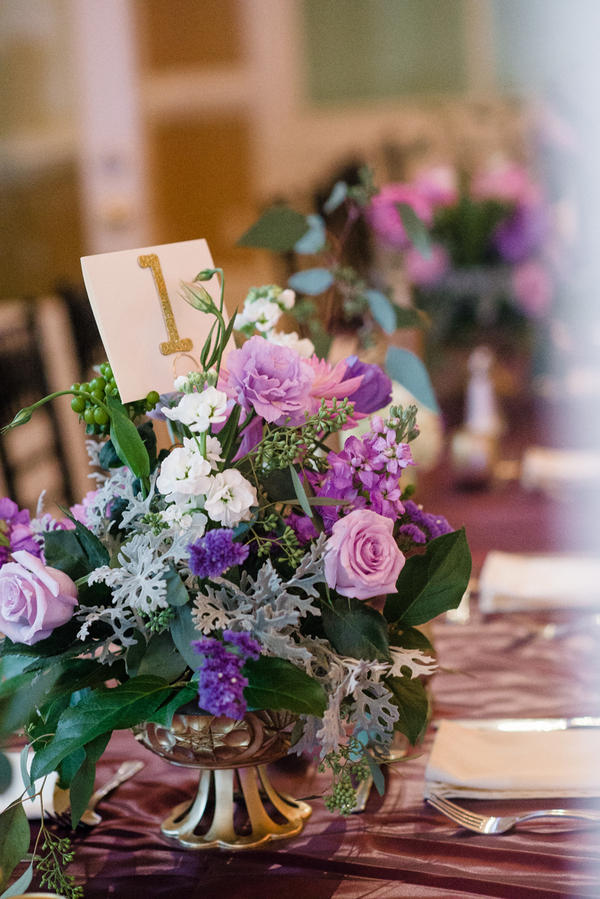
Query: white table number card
[[149, 331]]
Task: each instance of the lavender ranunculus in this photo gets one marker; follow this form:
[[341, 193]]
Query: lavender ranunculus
[[375, 391], [272, 379], [362, 558]]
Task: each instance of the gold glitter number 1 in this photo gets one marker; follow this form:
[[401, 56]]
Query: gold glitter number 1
[[175, 343]]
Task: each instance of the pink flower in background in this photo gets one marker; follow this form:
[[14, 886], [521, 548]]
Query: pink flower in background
[[426, 271], [15, 531], [271, 379], [79, 510], [362, 559], [385, 218], [532, 288], [329, 382], [34, 599], [508, 183], [438, 184]]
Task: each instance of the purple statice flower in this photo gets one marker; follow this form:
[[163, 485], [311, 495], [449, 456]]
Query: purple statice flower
[[375, 391], [221, 684], [415, 533], [15, 531], [214, 553], [521, 233], [273, 380], [432, 525]]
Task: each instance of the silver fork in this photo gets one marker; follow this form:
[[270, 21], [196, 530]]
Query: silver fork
[[495, 824]]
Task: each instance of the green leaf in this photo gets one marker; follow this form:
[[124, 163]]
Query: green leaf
[[311, 281], [164, 715], [406, 368], [416, 230], [376, 773], [70, 765], [277, 229], [21, 885], [21, 696], [300, 492], [183, 631], [382, 310], [162, 655], [64, 551], [82, 785], [355, 629], [410, 698], [277, 684], [96, 552], [411, 638], [5, 773], [177, 595], [322, 343], [431, 583], [14, 840], [410, 317], [314, 239], [127, 442], [103, 710]]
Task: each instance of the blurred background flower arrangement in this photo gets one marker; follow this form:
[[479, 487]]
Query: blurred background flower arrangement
[[254, 563]]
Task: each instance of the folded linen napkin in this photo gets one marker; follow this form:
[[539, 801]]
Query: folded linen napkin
[[494, 764], [511, 582], [33, 807]]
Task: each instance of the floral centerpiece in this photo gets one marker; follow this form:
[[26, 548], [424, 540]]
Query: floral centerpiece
[[252, 564], [487, 264]]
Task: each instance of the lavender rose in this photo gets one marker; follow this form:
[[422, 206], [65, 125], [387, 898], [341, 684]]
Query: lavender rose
[[34, 599], [272, 379], [361, 556], [375, 391]]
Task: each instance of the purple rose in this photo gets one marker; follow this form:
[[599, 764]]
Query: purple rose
[[272, 379], [361, 556], [34, 599], [375, 391]]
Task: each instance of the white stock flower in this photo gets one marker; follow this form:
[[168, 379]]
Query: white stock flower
[[303, 346], [184, 473], [213, 451], [287, 298], [181, 383], [263, 314], [186, 517], [229, 498], [199, 410]]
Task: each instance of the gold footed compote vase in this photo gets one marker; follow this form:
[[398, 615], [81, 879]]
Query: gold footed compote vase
[[236, 806]]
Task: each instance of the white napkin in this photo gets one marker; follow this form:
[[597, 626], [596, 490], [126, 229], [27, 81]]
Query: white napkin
[[553, 470], [511, 582], [494, 764], [33, 807]]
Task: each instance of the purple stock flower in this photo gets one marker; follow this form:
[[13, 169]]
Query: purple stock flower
[[221, 684], [375, 390], [303, 528], [433, 525], [15, 531], [214, 553], [272, 379]]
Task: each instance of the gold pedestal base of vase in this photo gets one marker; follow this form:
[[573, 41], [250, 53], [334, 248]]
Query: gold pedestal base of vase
[[255, 789], [230, 810]]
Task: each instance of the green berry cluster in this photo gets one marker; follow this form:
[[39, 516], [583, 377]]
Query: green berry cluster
[[158, 620], [89, 401], [55, 856], [348, 766]]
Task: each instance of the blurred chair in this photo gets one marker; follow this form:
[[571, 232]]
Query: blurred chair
[[88, 343], [37, 357]]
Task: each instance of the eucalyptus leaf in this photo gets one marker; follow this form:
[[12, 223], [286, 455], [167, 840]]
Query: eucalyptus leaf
[[127, 442], [376, 773], [21, 885], [410, 698], [278, 229], [184, 631], [276, 684], [103, 710], [336, 197], [23, 760], [415, 228], [355, 629], [14, 840], [300, 492], [5, 773], [162, 655], [177, 595], [406, 368], [314, 239], [410, 317], [382, 310], [322, 344], [432, 583], [311, 281]]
